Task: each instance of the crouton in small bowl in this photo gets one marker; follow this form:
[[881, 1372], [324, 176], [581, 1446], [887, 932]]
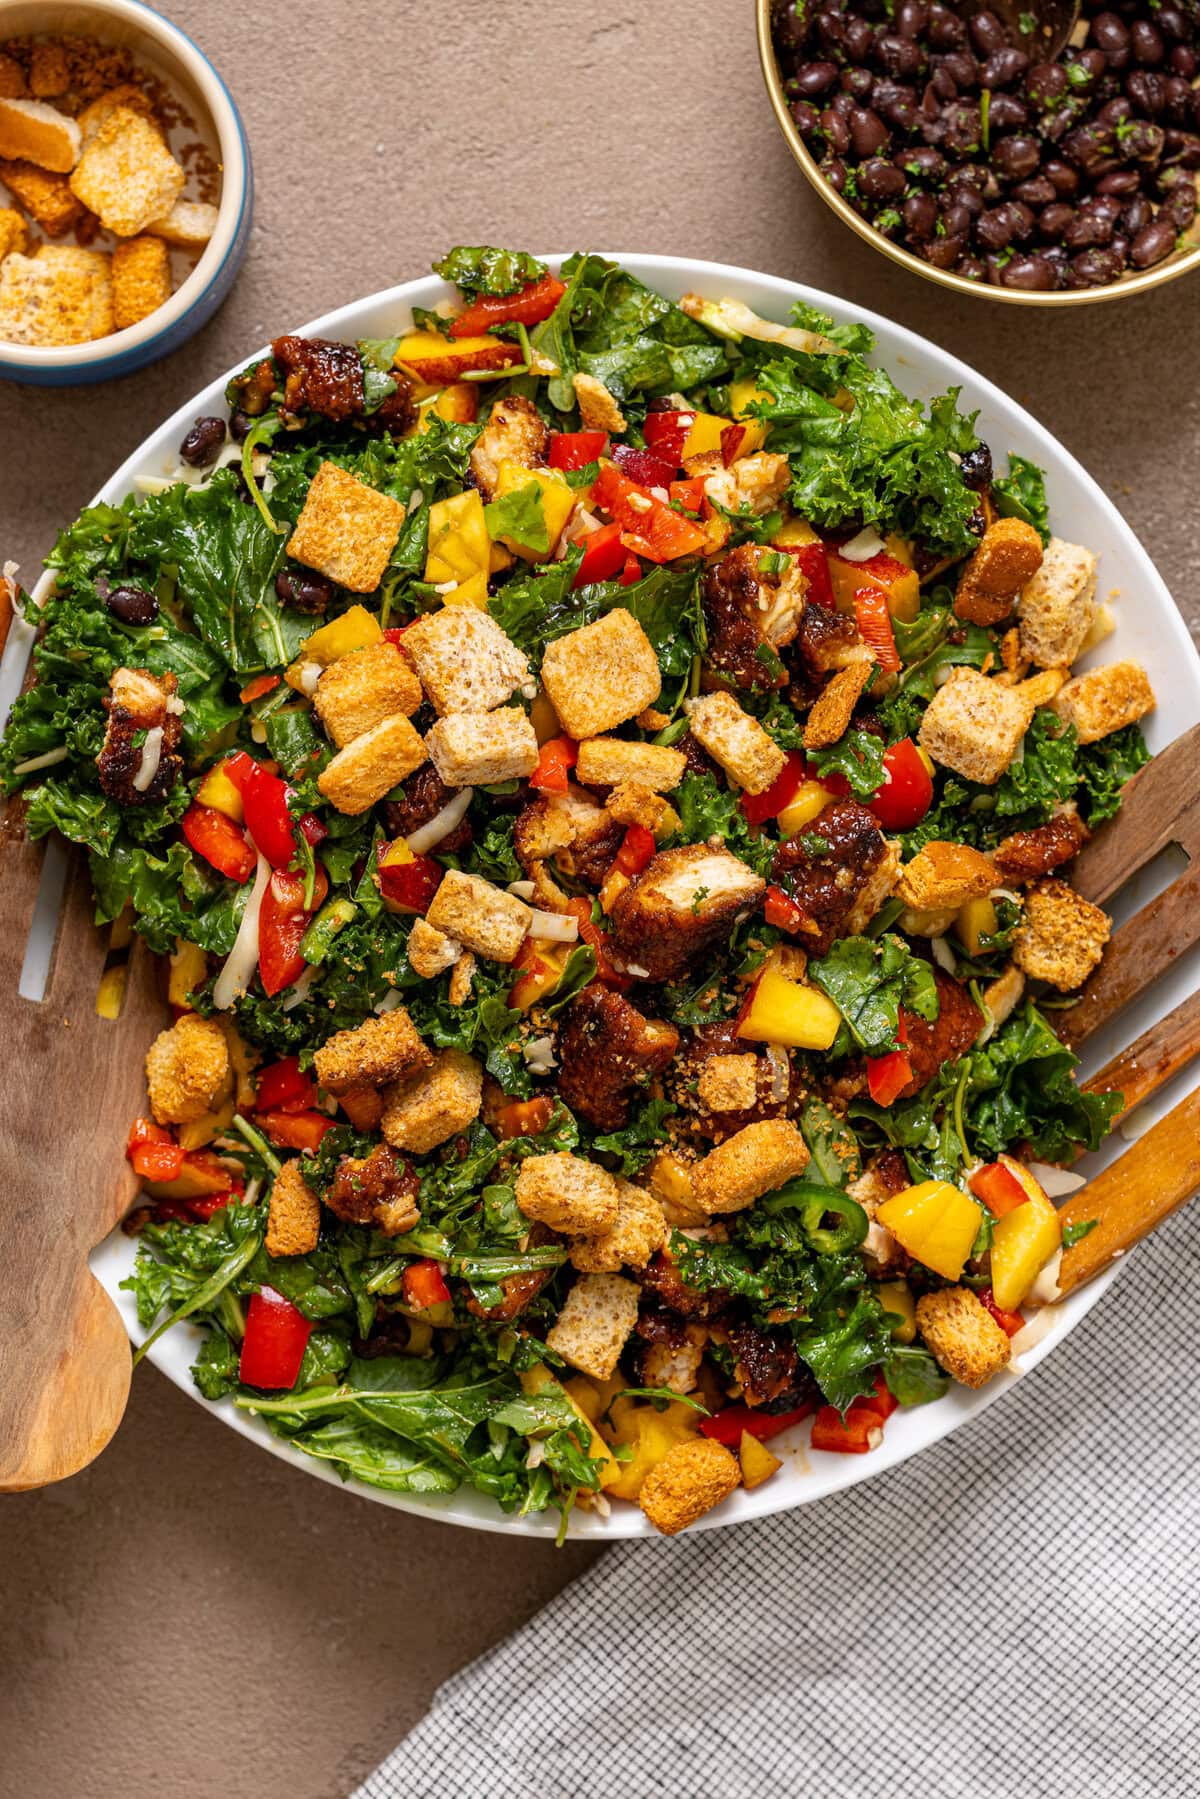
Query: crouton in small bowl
[[126, 190]]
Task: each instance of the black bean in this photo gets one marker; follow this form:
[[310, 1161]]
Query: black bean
[[1092, 268], [976, 468], [857, 38], [1108, 32], [994, 228], [895, 102], [1185, 150], [1044, 82], [1003, 67], [202, 445], [943, 86], [868, 133], [1144, 142], [1032, 274], [1088, 146], [814, 78], [834, 171], [1180, 205], [880, 180], [1086, 229], [946, 29], [1015, 158], [1172, 23], [1093, 63], [944, 252], [239, 425], [1152, 243], [842, 105], [1121, 181], [963, 126], [898, 56], [303, 590], [1062, 175], [1136, 214], [922, 162], [132, 605], [1147, 44], [836, 130], [1007, 113], [829, 28], [965, 198], [1115, 112], [1120, 246], [987, 33], [1177, 94], [1147, 90], [912, 18], [932, 131], [956, 219], [972, 268], [920, 215], [1183, 61], [806, 118], [961, 66], [857, 83], [1054, 220], [1039, 191]]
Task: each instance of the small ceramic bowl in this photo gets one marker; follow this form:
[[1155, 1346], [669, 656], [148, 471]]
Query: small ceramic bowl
[[167, 52]]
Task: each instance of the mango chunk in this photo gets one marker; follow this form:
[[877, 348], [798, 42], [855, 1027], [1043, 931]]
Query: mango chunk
[[536, 1380], [975, 920], [458, 539], [1023, 1241], [896, 1296], [936, 1223], [650, 1433], [808, 802], [188, 967], [218, 791], [557, 505], [783, 1011], [757, 1462]]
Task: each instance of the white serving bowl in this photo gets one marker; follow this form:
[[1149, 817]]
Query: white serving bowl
[[1149, 629], [182, 67]]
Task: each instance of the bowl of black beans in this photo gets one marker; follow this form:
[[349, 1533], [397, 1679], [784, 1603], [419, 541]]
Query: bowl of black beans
[[942, 139]]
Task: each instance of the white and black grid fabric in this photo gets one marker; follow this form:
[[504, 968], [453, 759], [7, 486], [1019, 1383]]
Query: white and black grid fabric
[[1015, 1614]]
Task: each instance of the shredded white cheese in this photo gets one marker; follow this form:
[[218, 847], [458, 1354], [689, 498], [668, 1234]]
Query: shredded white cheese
[[868, 543], [388, 1003], [539, 1055], [310, 674], [523, 890], [46, 760], [442, 823], [1056, 1183], [242, 961], [298, 991], [943, 955], [554, 927], [151, 756]]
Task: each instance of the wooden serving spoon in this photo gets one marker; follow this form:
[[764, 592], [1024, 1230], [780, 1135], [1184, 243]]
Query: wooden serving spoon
[[1042, 28]]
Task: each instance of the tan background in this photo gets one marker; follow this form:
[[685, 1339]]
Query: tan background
[[189, 1616]]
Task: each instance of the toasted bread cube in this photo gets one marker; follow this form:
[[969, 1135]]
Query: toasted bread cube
[[1003, 995], [469, 749], [48, 75], [638, 1232], [944, 876], [97, 267], [46, 198], [363, 1106], [357, 692], [126, 175], [1057, 606], [738, 742], [465, 662], [691, 1479], [380, 1049], [100, 110], [13, 85], [1061, 936], [829, 718], [346, 530], [595, 1323], [188, 1070], [1104, 700], [141, 274], [728, 1083], [962, 1336], [598, 411], [31, 131], [293, 1214], [754, 1161], [13, 235], [430, 951], [431, 1107], [975, 726], [459, 990], [488, 920], [610, 761], [1009, 555], [370, 766], [633, 804], [568, 1193], [42, 304], [514, 433], [188, 225], [601, 675], [1041, 688]]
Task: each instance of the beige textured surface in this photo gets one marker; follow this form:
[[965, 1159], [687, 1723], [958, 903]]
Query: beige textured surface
[[190, 1617]]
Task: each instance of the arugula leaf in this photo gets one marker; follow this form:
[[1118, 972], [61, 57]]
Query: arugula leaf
[[843, 1347], [708, 810], [868, 981], [481, 269], [1022, 494], [912, 1375], [834, 1155]]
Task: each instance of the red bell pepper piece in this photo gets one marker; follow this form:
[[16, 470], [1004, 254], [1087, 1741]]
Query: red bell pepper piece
[[281, 1087], [603, 556], [666, 433], [731, 442], [631, 573], [648, 526], [998, 1188], [312, 830], [758, 807], [395, 633], [1010, 1322], [636, 851], [254, 690], [781, 910], [216, 837], [643, 466], [555, 758], [690, 494], [153, 1152], [411, 884], [276, 1338], [814, 566], [294, 1130], [727, 1425], [208, 1203], [264, 801], [282, 922], [533, 303], [422, 1285], [852, 1435], [874, 623], [907, 791], [887, 1076], [575, 449], [597, 941]]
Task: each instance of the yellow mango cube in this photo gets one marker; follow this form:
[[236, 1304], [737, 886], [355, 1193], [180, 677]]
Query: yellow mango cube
[[120, 931], [936, 1223], [973, 921], [457, 404], [795, 534], [756, 1461], [558, 503], [202, 1130], [809, 800], [671, 1177], [472, 592], [896, 1297], [354, 629], [544, 718], [188, 967], [110, 994], [1023, 1241], [704, 434], [537, 1380], [650, 1434], [458, 539], [218, 791], [785, 1012]]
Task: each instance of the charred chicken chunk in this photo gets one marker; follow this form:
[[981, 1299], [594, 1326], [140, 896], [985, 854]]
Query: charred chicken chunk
[[379, 1189], [140, 760], [608, 1049], [932, 1042], [326, 377], [684, 900], [827, 882], [769, 1369], [513, 433], [423, 795], [751, 613], [1027, 855]]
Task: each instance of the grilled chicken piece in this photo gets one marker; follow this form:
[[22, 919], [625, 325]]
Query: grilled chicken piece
[[769, 1369], [140, 761], [840, 888], [379, 1189], [684, 900], [326, 377], [1027, 855], [932, 1042], [607, 1049], [513, 433], [750, 615]]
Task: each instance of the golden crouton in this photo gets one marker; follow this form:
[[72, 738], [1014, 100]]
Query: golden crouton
[[639, 1231], [380, 1049], [13, 234], [691, 1479], [46, 198], [430, 951], [187, 1070], [346, 530], [945, 876], [598, 411], [595, 1323], [463, 973], [1058, 606], [465, 662], [608, 761], [13, 84], [1009, 555], [1003, 995], [141, 275], [100, 110], [974, 725], [31, 131], [738, 742], [728, 1083], [1104, 700], [568, 1193], [42, 304], [48, 76], [1061, 936], [601, 675], [830, 716], [1041, 688], [429, 1108], [753, 483], [188, 225], [126, 174], [755, 1160], [98, 268], [293, 1214], [363, 1106], [962, 1336], [489, 921], [371, 765], [633, 804], [359, 691], [514, 433], [469, 749]]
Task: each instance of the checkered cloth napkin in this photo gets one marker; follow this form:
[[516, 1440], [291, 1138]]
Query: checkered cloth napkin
[[1011, 1615]]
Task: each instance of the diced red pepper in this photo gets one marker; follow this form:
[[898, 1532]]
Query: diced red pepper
[[282, 1087], [282, 923], [631, 573], [221, 842], [781, 910], [643, 466], [636, 851], [666, 433], [254, 690], [523, 1117], [276, 1338], [603, 556], [294, 1130], [887, 1076], [814, 566], [1010, 1322], [144, 1130], [575, 449], [411, 884], [851, 1435], [907, 791], [264, 801], [395, 633], [874, 623], [689, 494], [998, 1188], [533, 303], [422, 1285], [312, 830], [555, 759], [758, 807], [727, 1425], [731, 442], [597, 940], [153, 1152], [649, 527], [208, 1203]]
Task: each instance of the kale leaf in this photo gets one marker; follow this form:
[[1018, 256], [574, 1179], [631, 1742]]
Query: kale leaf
[[1022, 494], [482, 269], [868, 980]]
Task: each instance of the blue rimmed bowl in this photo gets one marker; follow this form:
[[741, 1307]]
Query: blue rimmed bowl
[[170, 54]]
